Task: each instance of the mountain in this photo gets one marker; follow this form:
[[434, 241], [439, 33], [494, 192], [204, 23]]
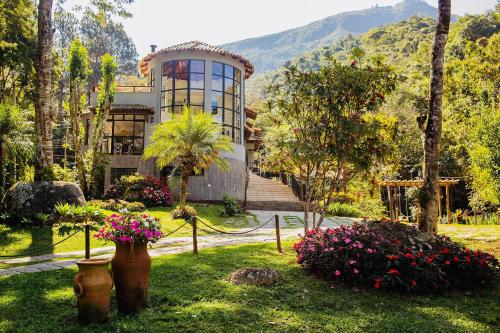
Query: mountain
[[272, 51]]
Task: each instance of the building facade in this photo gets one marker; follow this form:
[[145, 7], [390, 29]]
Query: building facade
[[196, 74]]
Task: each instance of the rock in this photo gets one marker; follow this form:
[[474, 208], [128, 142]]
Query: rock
[[255, 276], [27, 198]]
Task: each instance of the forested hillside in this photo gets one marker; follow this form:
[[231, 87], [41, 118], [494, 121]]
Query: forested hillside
[[271, 51], [471, 116]]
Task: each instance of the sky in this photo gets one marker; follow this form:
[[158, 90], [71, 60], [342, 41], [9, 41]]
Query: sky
[[165, 22]]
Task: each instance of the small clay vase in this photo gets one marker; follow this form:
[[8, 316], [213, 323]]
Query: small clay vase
[[92, 286], [131, 266]]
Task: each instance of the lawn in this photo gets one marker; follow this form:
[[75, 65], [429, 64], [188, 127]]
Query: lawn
[[191, 294], [17, 241], [478, 237]]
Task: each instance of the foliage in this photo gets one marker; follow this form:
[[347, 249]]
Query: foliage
[[191, 141], [65, 174], [16, 144], [147, 190], [117, 205], [187, 212], [394, 257], [104, 101], [342, 209], [230, 207], [325, 130], [67, 213], [130, 228]]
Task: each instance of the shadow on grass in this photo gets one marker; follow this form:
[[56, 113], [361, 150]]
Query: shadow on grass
[[36, 240], [191, 294]]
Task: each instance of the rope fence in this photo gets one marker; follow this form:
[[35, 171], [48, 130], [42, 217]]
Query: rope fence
[[193, 221]]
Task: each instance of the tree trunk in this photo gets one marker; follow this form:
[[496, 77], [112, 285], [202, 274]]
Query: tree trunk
[[43, 103], [429, 202], [184, 183], [76, 120]]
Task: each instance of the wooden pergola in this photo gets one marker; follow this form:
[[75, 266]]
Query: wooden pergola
[[393, 190]]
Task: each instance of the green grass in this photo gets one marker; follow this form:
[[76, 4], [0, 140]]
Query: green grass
[[22, 241], [478, 237], [191, 294]]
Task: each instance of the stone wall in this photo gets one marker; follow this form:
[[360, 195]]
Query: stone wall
[[214, 183]]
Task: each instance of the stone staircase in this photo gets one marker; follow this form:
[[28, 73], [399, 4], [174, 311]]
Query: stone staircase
[[268, 194]]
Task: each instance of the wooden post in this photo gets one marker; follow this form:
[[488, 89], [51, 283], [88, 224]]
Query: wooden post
[[391, 204], [439, 203], [448, 208], [278, 237], [87, 241], [396, 203], [195, 237]]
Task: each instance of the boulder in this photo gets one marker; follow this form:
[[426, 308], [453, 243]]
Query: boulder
[[28, 198], [255, 276]]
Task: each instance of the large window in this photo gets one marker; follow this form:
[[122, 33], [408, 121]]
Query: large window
[[124, 134], [226, 99], [182, 83]]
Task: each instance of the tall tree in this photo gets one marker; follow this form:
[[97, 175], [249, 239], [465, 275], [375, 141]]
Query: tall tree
[[191, 141], [78, 73], [432, 134], [43, 105], [104, 100]]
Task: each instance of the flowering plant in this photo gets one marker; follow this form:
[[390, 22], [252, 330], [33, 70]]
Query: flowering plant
[[129, 228], [396, 257], [148, 190]]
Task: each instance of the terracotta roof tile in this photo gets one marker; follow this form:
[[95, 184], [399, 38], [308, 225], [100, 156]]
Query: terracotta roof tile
[[197, 46]]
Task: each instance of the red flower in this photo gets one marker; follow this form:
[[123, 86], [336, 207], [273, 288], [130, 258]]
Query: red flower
[[447, 262], [445, 251], [413, 263], [455, 259], [409, 255], [377, 283], [393, 257], [467, 259], [413, 283], [393, 271]]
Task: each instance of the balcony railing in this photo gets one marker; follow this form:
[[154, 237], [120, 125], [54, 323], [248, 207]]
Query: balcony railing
[[129, 89]]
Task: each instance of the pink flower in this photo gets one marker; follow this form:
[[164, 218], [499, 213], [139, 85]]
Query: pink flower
[[347, 240], [356, 271], [337, 273]]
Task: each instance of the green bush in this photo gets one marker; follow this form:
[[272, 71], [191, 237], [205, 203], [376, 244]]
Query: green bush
[[66, 213], [230, 207], [187, 213], [135, 206], [345, 210], [117, 205]]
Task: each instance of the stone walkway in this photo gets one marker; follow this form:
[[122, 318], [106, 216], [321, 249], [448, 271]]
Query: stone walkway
[[291, 225]]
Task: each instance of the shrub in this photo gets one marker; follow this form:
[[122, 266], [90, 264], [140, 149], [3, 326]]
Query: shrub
[[117, 205], [187, 213], [395, 257], [148, 190], [135, 206], [230, 207], [342, 209], [77, 214]]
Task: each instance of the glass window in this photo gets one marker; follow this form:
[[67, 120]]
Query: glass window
[[226, 94], [124, 134], [183, 83]]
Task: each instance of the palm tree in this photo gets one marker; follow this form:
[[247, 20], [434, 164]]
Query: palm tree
[[43, 105], [429, 206], [190, 141]]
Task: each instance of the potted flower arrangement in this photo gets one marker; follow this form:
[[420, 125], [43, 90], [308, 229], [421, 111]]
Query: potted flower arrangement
[[131, 263]]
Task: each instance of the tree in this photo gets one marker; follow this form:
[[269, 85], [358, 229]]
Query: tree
[[43, 105], [429, 195], [16, 143], [326, 130], [104, 100], [17, 50], [79, 71], [190, 141]]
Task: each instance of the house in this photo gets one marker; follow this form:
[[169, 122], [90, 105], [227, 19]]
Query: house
[[202, 76]]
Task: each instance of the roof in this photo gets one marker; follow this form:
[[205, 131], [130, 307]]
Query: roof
[[129, 107], [196, 46]]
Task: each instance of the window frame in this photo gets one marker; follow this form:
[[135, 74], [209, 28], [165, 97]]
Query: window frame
[[134, 137]]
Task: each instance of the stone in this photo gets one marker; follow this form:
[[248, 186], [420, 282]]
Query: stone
[[24, 199], [255, 276]]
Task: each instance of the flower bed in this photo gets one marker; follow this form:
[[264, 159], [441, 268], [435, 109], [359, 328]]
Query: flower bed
[[394, 257], [147, 190]]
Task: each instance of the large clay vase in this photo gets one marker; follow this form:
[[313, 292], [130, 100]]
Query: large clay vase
[[92, 286], [131, 266]]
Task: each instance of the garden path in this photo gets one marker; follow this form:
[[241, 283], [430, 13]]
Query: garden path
[[291, 225]]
